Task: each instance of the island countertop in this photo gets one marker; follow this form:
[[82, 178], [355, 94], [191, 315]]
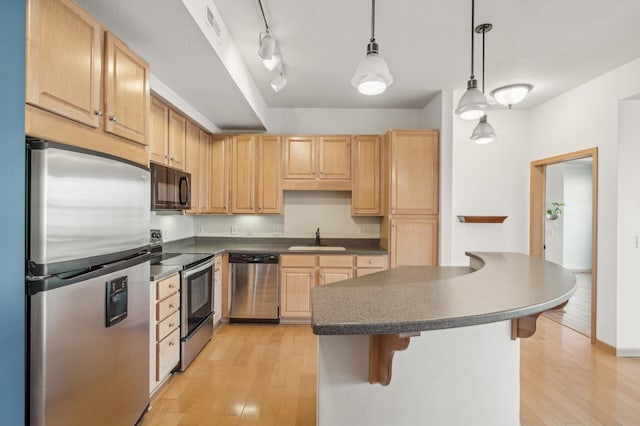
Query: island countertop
[[497, 287]]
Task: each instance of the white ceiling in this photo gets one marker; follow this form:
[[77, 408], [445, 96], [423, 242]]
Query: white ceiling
[[553, 44]]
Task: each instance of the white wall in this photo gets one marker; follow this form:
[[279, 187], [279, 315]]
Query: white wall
[[554, 229], [490, 180], [174, 226], [577, 217], [628, 339], [586, 117]]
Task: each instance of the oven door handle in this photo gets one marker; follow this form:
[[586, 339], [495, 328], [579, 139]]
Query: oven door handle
[[190, 272]]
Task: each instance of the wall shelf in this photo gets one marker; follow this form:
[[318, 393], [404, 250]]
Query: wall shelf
[[481, 219]]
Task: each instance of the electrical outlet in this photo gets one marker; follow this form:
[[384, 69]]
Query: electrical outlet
[[200, 229], [249, 230], [363, 231], [234, 230], [277, 229]]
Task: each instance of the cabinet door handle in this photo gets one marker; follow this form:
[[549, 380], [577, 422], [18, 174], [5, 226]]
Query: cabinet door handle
[[98, 112], [172, 324], [171, 344], [172, 286], [173, 158], [171, 306], [113, 118]]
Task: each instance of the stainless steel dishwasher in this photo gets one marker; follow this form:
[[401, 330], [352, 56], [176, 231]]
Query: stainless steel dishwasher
[[254, 287]]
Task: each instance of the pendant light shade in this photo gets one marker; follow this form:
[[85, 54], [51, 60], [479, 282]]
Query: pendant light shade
[[511, 94], [473, 103], [271, 64], [483, 133], [372, 75], [278, 83]]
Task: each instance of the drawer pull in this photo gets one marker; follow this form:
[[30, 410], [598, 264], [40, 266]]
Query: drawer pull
[[172, 324], [370, 261], [171, 306], [171, 344], [173, 286]]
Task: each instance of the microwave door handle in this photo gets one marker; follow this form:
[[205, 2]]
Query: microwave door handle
[[184, 184]]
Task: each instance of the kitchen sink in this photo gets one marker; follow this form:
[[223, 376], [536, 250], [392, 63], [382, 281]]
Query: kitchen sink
[[316, 248]]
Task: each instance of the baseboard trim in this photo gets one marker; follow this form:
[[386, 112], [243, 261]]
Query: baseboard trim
[[631, 353], [606, 347]]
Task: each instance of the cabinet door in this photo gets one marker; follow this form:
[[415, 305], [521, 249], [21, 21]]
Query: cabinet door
[[126, 91], [269, 190], [192, 164], [414, 242], [332, 275], [365, 196], [177, 140], [64, 60], [242, 197], [299, 157], [334, 157], [295, 287], [158, 132], [414, 172], [218, 175]]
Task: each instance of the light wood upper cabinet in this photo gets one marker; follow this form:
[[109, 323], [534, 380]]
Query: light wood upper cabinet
[[365, 195], [64, 60], [217, 176], [334, 157], [243, 175], [256, 175], [192, 164], [269, 175], [414, 241], [299, 157], [159, 132], [414, 171], [177, 140], [317, 163], [126, 91]]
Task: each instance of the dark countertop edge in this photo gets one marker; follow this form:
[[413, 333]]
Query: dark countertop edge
[[439, 323]]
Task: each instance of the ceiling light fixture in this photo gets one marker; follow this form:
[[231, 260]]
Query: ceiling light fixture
[[483, 133], [271, 64], [278, 83], [473, 103], [511, 94], [372, 75], [267, 43]]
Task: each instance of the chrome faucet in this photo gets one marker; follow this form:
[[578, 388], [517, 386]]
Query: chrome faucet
[[318, 237]]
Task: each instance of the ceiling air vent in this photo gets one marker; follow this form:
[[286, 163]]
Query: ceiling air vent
[[213, 23]]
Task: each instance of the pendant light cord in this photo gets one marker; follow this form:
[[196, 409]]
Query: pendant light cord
[[266, 24], [483, 79], [373, 20], [473, 4]]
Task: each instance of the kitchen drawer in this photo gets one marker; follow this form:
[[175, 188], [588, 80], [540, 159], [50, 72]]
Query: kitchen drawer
[[167, 354], [361, 272], [167, 286], [288, 260], [217, 263], [167, 325], [339, 261], [371, 261], [167, 306]]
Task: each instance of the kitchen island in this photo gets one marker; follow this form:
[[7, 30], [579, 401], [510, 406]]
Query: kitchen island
[[455, 331]]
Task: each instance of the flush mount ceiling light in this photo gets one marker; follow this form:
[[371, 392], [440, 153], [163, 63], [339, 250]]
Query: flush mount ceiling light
[[278, 83], [372, 75], [267, 43], [483, 133], [473, 103], [511, 94]]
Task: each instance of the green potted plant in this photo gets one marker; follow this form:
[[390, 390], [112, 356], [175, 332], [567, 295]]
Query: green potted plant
[[555, 210]]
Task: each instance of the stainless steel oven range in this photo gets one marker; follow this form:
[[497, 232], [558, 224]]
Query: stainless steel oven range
[[196, 301]]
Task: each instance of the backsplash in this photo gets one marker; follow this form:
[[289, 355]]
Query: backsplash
[[304, 212], [174, 226]]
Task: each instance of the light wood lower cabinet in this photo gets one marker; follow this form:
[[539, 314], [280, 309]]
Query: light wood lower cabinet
[[300, 273], [164, 333], [370, 264]]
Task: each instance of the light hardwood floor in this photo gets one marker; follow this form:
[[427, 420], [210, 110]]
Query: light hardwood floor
[[577, 313], [265, 375]]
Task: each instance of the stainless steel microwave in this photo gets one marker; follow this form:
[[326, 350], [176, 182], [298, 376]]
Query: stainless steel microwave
[[170, 188]]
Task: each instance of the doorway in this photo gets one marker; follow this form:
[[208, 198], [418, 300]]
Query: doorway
[[564, 240]]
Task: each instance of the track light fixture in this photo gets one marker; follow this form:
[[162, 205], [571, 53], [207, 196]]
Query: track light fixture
[[372, 75], [473, 103], [280, 81], [266, 41]]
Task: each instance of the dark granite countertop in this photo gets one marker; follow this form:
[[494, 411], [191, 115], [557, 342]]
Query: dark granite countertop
[[500, 286]]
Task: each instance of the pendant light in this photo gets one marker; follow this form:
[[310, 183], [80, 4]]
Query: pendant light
[[278, 83], [473, 103], [483, 133], [372, 75], [266, 41]]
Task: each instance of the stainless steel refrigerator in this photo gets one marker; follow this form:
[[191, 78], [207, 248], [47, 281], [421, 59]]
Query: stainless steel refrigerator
[[87, 287]]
